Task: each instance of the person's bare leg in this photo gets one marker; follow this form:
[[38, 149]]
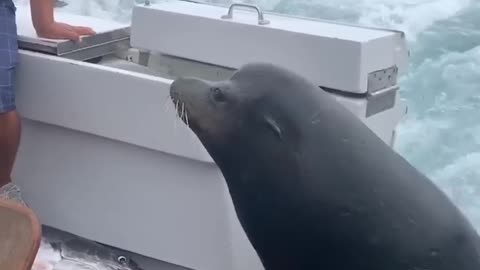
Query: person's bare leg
[[9, 141], [9, 119]]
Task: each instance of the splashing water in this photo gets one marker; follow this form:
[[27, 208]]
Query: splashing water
[[441, 134]]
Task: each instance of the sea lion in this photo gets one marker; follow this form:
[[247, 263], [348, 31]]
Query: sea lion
[[313, 187]]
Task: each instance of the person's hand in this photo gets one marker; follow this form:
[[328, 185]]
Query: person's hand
[[57, 30]]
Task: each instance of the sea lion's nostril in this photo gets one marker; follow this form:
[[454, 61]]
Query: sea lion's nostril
[[174, 95]]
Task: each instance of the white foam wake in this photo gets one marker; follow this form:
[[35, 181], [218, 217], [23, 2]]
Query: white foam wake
[[410, 16]]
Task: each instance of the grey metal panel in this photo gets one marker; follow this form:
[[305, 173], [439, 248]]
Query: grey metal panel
[[90, 47]]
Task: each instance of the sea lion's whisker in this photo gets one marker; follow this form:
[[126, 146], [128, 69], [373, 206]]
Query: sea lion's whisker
[[176, 117], [186, 119], [183, 111]]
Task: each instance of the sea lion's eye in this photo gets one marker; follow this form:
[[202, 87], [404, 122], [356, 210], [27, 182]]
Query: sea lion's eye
[[217, 94], [122, 259]]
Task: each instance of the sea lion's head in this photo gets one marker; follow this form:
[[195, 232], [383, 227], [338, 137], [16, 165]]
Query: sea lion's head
[[260, 106]]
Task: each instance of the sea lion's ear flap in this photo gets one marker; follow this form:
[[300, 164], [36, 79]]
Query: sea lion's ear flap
[[273, 126]]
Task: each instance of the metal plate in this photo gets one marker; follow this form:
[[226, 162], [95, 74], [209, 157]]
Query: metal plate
[[110, 36], [90, 47], [381, 100]]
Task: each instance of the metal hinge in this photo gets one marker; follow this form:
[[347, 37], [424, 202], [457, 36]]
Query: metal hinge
[[381, 79], [382, 89]]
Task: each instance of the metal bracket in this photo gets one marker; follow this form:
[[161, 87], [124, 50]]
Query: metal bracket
[[90, 47], [382, 79], [381, 90], [261, 20], [381, 100]]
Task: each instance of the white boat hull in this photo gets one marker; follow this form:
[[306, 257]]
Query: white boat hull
[[102, 157]]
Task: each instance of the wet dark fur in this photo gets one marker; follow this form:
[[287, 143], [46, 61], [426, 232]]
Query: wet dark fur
[[313, 187]]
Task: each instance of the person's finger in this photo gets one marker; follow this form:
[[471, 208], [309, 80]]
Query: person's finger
[[69, 34], [65, 26], [81, 30], [63, 34]]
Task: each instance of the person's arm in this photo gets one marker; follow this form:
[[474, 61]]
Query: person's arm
[[45, 25]]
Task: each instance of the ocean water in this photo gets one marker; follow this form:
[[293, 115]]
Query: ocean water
[[441, 134]]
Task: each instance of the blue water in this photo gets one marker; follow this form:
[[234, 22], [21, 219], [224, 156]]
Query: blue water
[[441, 134]]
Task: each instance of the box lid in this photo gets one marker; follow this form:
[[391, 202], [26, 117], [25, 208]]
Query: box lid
[[332, 55]]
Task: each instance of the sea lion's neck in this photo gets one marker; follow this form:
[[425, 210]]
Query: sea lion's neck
[[253, 166]]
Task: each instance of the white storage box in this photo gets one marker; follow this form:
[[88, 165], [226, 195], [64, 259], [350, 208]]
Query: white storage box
[[332, 55]]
